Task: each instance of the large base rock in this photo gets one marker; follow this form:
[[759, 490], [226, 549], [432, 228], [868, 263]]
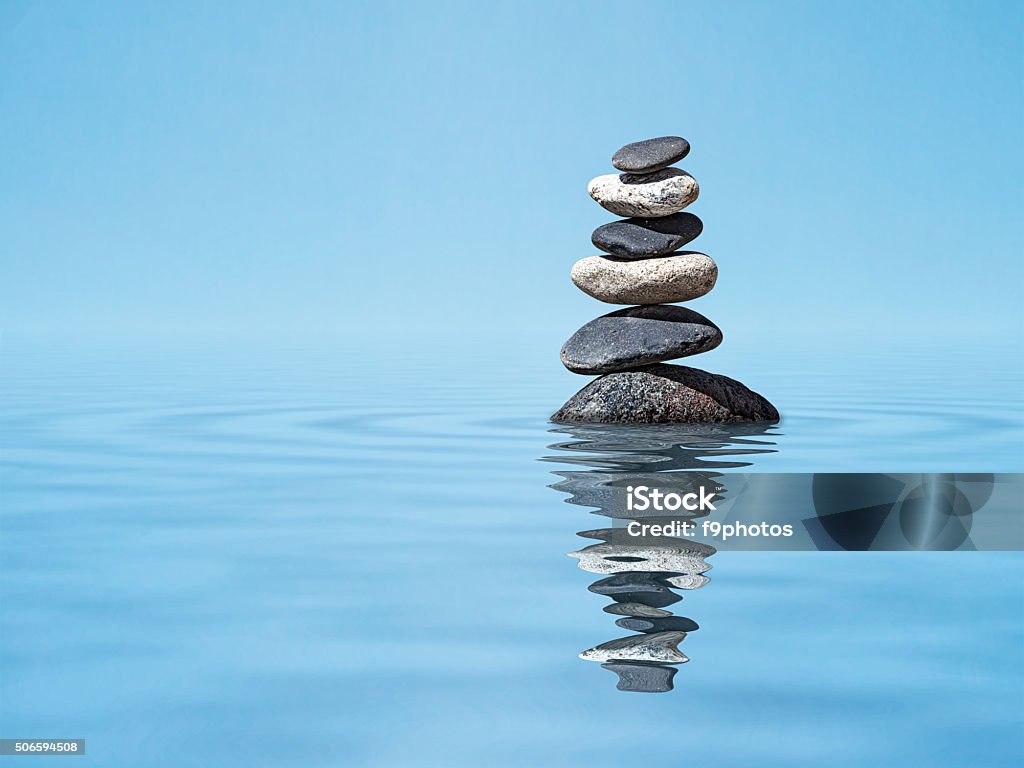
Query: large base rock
[[658, 394]]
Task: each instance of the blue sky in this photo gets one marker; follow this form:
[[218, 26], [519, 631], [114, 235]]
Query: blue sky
[[325, 170]]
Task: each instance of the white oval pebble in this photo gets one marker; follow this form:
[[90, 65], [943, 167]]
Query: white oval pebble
[[662, 280], [649, 195]]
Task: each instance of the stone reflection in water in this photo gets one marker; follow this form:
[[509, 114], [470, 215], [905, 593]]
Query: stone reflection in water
[[643, 574]]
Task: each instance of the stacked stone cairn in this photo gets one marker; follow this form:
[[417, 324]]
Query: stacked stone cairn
[[643, 266]]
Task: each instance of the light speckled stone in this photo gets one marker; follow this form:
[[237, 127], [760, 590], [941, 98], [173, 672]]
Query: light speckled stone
[[649, 195], [664, 394], [665, 280], [657, 647]]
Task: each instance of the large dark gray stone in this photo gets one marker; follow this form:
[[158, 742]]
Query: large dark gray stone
[[638, 238], [639, 336], [651, 154], [664, 394]]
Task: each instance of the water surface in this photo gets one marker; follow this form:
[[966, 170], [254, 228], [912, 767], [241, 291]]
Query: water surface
[[279, 556]]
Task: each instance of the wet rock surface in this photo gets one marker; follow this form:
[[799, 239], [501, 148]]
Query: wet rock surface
[[665, 393]]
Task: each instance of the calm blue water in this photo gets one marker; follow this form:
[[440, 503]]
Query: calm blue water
[[323, 556]]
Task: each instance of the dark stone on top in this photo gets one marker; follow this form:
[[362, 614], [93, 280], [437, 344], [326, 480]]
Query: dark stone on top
[[638, 238], [665, 394], [642, 678], [636, 587], [639, 336], [651, 154], [666, 624]]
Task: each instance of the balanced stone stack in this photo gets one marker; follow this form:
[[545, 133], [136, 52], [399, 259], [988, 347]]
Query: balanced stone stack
[[642, 265]]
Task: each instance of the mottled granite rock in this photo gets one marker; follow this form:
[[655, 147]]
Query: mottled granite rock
[[679, 277], [664, 624], [651, 154], [657, 647], [646, 238], [665, 394], [636, 609], [648, 195], [638, 336], [642, 678]]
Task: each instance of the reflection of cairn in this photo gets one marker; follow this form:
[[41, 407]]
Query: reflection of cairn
[[643, 572], [644, 267], [640, 574]]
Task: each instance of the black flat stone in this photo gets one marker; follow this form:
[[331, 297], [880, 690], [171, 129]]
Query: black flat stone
[[642, 678], [639, 336], [666, 624], [638, 238], [651, 154]]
